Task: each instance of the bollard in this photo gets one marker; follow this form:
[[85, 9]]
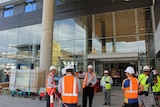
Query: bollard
[[51, 99]]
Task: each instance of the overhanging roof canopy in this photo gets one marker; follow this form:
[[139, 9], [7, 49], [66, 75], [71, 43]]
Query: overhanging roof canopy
[[114, 57]]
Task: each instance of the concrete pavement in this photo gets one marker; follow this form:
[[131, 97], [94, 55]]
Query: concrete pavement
[[20, 101]]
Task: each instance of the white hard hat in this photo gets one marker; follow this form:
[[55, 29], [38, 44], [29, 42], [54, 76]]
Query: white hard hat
[[90, 66], [130, 70], [52, 67], [63, 71], [146, 68], [106, 71], [69, 67]]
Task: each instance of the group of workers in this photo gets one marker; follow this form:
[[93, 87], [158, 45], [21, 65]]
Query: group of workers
[[135, 89], [69, 86]]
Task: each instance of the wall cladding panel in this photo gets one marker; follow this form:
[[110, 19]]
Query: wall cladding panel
[[69, 10], [18, 9], [21, 20]]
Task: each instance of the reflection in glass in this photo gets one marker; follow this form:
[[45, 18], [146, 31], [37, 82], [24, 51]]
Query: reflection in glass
[[64, 30], [103, 25], [126, 44], [19, 48]]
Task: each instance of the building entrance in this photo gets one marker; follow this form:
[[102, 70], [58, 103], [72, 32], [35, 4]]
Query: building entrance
[[116, 69]]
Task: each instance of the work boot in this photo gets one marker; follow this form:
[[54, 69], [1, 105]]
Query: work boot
[[105, 103]]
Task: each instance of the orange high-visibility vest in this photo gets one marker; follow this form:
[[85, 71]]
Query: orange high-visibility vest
[[50, 89], [86, 78], [69, 90], [132, 90]]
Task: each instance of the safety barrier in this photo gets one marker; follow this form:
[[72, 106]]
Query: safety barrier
[[52, 99]]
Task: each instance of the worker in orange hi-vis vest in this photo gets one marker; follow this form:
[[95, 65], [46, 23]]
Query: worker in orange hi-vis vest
[[89, 82], [69, 87], [130, 87], [50, 84]]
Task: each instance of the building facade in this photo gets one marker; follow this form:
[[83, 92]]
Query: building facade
[[110, 34]]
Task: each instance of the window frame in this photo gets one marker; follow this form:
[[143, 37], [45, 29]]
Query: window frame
[[8, 11], [32, 4]]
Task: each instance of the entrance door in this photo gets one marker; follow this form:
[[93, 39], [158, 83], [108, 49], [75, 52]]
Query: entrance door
[[116, 69]]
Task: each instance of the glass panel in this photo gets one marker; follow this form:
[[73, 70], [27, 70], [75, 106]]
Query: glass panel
[[8, 11], [64, 30], [126, 44], [96, 46], [80, 29], [109, 45], [141, 44], [35, 40], [24, 38], [7, 48], [3, 40], [30, 5], [67, 50], [12, 43], [141, 20], [144, 20], [125, 22], [103, 25], [102, 45], [80, 47]]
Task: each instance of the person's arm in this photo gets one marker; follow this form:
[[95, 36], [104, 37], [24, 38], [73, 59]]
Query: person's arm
[[60, 86], [140, 87], [123, 89], [102, 83], [111, 80], [79, 85], [125, 84], [95, 80], [93, 83]]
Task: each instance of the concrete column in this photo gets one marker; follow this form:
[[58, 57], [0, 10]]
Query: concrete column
[[47, 36]]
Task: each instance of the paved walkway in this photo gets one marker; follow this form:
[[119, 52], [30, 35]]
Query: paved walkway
[[20, 101]]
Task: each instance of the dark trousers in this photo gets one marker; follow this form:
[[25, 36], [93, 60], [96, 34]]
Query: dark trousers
[[131, 105], [87, 92], [48, 99]]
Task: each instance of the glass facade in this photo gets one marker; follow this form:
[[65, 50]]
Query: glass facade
[[19, 48], [127, 31]]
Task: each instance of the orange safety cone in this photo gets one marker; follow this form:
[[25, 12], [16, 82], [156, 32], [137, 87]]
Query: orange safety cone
[[51, 99]]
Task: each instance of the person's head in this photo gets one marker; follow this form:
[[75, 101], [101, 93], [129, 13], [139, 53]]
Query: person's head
[[63, 71], [146, 69], [129, 71], [53, 69], [69, 68], [90, 68], [106, 72], [80, 71]]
